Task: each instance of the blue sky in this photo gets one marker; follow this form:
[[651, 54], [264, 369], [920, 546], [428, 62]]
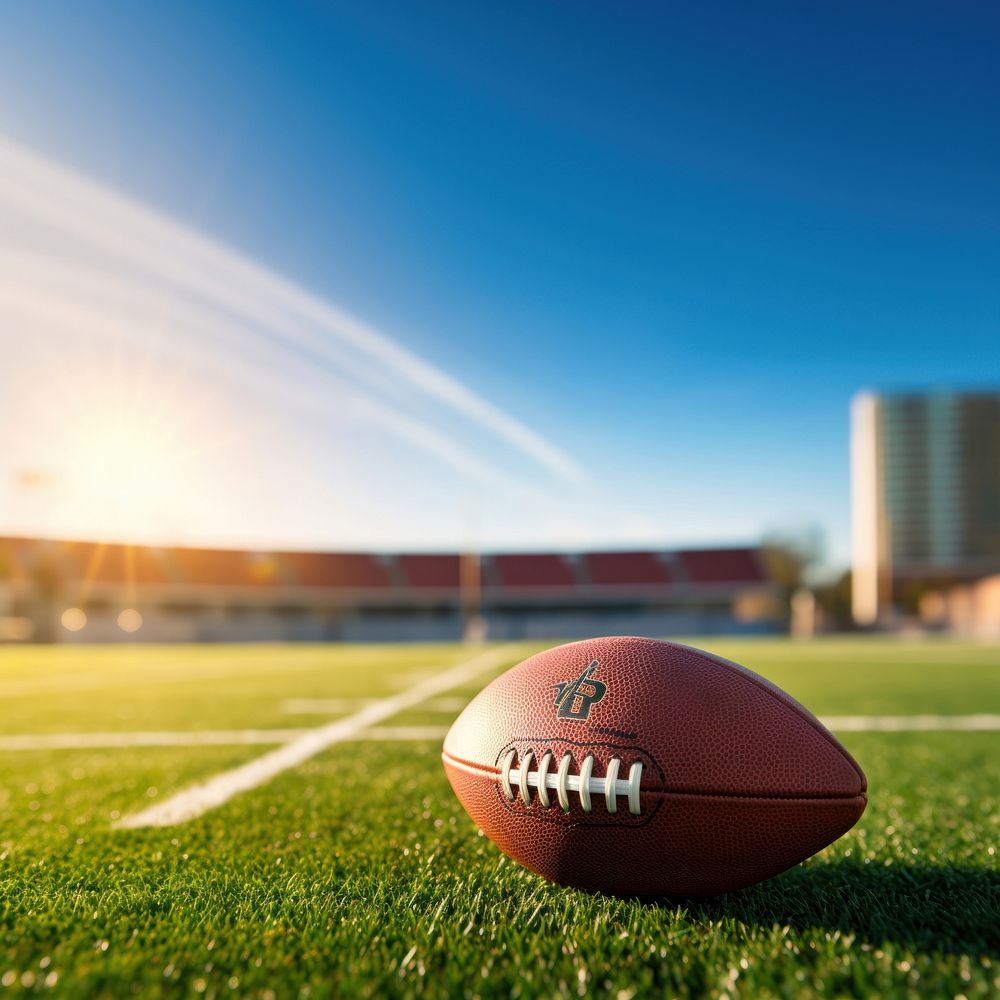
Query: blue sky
[[672, 241]]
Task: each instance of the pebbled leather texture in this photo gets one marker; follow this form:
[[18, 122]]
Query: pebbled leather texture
[[739, 781]]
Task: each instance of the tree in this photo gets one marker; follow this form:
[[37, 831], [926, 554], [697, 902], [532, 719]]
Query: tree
[[789, 556]]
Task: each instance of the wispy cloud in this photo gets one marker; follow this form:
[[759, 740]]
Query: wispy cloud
[[77, 302], [125, 267]]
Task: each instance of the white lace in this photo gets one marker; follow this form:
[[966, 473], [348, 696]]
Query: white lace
[[522, 779]]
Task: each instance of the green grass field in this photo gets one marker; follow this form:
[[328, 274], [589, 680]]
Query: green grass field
[[358, 873]]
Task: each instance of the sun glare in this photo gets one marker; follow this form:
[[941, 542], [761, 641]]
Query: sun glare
[[125, 454], [120, 462]]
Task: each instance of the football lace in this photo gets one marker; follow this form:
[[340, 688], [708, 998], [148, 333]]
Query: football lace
[[522, 779]]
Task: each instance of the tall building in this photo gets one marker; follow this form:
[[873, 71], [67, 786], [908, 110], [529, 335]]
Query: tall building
[[925, 480]]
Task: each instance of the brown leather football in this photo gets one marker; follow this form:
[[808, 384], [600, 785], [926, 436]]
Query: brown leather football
[[631, 766]]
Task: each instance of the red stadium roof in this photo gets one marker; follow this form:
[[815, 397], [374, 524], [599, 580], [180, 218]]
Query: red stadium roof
[[626, 568], [224, 568], [96, 562], [124, 565], [430, 570], [533, 571], [130, 563], [721, 565], [329, 569], [16, 557]]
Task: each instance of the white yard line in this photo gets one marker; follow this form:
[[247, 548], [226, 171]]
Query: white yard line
[[381, 734], [202, 738], [298, 745], [323, 706], [983, 722], [388, 734], [334, 706], [200, 798], [183, 738]]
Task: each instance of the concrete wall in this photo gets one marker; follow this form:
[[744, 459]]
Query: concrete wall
[[262, 625]]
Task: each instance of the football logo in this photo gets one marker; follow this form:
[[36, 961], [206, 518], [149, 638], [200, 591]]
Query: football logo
[[575, 698]]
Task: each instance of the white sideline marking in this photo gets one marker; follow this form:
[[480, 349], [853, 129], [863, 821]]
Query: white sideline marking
[[323, 706], [382, 734], [394, 733], [202, 738], [200, 798], [106, 741], [332, 706], [911, 723], [446, 704]]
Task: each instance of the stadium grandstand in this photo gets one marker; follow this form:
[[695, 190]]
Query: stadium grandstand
[[92, 592]]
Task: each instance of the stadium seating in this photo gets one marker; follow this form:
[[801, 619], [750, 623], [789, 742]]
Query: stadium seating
[[438, 571], [112, 564], [215, 594], [333, 569], [223, 568], [611, 569], [532, 571], [721, 565]]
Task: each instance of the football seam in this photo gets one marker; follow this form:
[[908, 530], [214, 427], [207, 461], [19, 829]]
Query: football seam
[[494, 772]]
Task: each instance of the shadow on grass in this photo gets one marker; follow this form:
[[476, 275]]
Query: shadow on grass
[[948, 909]]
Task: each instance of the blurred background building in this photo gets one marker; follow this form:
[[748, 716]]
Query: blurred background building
[[89, 592], [926, 508]]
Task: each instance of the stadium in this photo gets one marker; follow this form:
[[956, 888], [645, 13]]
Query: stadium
[[499, 502], [69, 591]]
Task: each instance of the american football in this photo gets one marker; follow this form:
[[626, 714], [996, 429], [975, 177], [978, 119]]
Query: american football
[[631, 766], [362, 365]]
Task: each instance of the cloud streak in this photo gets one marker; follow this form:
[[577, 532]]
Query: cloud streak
[[41, 293], [166, 268]]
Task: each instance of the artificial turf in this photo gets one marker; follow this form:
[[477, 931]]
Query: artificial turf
[[358, 873]]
